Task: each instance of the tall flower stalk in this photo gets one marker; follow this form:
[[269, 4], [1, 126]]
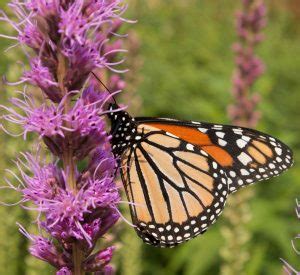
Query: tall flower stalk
[[289, 269], [74, 190], [249, 67]]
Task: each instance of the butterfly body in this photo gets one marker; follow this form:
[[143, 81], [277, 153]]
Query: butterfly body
[[178, 174]]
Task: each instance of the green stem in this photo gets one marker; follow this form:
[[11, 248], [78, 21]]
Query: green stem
[[68, 160], [77, 259]]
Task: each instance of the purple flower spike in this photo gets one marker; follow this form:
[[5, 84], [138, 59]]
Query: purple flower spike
[[74, 192], [44, 249], [47, 121], [87, 128], [91, 95], [42, 77], [82, 43], [250, 22], [102, 163], [99, 260], [31, 37], [45, 183], [44, 8]]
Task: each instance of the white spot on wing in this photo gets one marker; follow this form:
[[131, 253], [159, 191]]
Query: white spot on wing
[[190, 147], [241, 143], [246, 138], [237, 131], [203, 130], [272, 166], [204, 153], [278, 151], [220, 134], [278, 159], [222, 142], [232, 174], [244, 172], [168, 119], [244, 158], [171, 135]]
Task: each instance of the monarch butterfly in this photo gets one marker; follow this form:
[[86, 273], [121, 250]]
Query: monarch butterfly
[[178, 174]]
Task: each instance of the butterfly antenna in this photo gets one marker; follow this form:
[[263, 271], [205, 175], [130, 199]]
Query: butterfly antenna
[[104, 86]]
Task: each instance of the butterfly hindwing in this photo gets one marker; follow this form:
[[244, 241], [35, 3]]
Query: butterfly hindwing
[[246, 155], [176, 190]]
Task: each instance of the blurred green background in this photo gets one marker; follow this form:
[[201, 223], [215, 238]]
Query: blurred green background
[[184, 70]]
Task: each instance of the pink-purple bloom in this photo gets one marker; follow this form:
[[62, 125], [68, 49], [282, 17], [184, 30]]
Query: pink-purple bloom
[[41, 76], [68, 214], [99, 259], [66, 41], [64, 271]]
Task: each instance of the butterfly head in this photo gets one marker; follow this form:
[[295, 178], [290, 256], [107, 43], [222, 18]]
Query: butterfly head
[[123, 129], [117, 114], [113, 109]]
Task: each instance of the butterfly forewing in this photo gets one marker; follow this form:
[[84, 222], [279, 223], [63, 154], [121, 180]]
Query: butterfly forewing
[[246, 155], [176, 190]]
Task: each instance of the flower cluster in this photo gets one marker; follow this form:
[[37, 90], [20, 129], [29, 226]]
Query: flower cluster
[[250, 22], [72, 215], [66, 41]]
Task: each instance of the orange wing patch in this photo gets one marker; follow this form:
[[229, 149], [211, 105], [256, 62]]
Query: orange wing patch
[[188, 134], [199, 139], [264, 148], [219, 154], [258, 156]]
